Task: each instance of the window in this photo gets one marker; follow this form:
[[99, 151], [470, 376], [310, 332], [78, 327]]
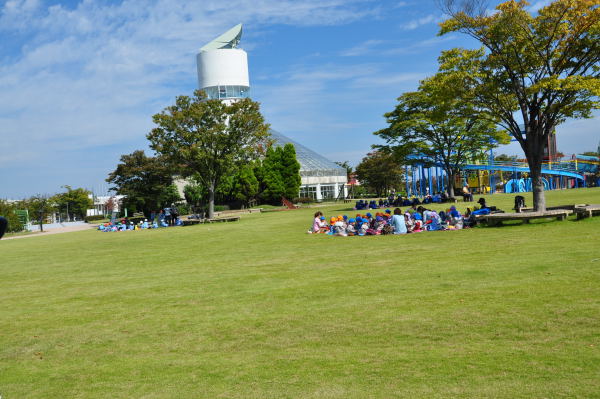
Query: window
[[221, 92], [327, 192], [308, 192]]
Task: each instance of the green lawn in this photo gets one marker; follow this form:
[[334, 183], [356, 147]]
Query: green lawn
[[260, 309]]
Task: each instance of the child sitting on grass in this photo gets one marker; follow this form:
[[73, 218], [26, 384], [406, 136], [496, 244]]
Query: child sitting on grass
[[319, 225]]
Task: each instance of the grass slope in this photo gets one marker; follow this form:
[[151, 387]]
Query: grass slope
[[259, 309]]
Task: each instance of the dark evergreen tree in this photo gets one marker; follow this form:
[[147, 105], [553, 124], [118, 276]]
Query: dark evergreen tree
[[290, 171], [272, 181], [245, 185]]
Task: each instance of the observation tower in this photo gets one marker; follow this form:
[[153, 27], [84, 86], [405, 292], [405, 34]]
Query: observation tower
[[223, 68], [223, 74]]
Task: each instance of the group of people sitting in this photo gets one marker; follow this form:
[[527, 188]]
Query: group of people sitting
[[128, 225], [393, 201], [414, 220], [166, 217]]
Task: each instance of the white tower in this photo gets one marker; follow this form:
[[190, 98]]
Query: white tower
[[223, 68]]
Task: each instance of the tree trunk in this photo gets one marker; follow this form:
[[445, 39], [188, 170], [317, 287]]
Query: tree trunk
[[535, 156], [450, 185], [537, 185], [211, 200]]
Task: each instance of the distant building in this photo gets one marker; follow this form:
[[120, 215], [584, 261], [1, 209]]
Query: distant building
[[101, 202], [223, 74]]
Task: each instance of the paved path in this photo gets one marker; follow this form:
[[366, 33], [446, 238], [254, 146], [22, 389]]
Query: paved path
[[57, 230]]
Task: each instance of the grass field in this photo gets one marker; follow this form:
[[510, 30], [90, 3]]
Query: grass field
[[260, 309]]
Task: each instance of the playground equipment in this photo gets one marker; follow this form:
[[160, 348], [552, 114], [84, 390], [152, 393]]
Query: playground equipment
[[425, 176]]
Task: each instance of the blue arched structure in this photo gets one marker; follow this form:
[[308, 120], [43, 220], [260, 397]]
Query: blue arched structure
[[426, 176]]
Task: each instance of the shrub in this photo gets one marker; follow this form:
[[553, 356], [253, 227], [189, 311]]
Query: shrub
[[303, 200], [221, 208], [184, 209], [14, 223]]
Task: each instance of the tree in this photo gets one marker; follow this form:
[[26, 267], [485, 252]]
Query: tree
[[271, 178], [349, 169], [146, 182], [380, 171], [193, 195], [111, 204], [75, 202], [290, 171], [208, 138], [542, 69], [436, 125], [245, 185], [8, 211], [40, 207], [505, 158]]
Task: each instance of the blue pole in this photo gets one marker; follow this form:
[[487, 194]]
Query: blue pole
[[422, 173], [430, 181], [406, 180], [413, 181]]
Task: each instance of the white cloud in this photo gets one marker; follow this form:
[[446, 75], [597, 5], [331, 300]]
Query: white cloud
[[76, 79], [419, 46], [361, 49], [415, 23], [96, 72]]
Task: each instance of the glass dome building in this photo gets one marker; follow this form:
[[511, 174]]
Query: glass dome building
[[321, 178]]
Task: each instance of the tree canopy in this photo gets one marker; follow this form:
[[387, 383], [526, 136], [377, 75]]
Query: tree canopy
[[380, 171], [436, 124], [535, 70], [144, 181], [74, 202], [208, 138]]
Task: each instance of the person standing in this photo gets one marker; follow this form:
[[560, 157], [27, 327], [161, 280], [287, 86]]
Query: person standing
[[168, 215], [174, 214], [3, 226]]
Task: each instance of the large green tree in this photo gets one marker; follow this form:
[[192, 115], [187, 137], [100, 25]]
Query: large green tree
[[74, 202], [437, 125], [279, 174], [272, 184], [144, 181], [208, 138], [537, 70], [290, 171], [245, 185], [40, 207], [380, 171]]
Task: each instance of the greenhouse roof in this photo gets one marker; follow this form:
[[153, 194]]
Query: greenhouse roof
[[311, 163]]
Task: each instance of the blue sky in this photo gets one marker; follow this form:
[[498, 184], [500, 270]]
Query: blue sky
[[80, 80]]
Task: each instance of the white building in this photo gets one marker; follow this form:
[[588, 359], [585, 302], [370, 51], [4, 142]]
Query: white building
[[101, 202], [223, 74]]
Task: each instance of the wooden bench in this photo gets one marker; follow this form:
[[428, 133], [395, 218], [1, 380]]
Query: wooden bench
[[551, 208], [586, 211], [223, 219], [497, 218], [191, 222]]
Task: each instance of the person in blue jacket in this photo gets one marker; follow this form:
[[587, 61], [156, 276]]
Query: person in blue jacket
[[398, 222]]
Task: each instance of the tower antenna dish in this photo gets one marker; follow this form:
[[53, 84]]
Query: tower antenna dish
[[229, 39]]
